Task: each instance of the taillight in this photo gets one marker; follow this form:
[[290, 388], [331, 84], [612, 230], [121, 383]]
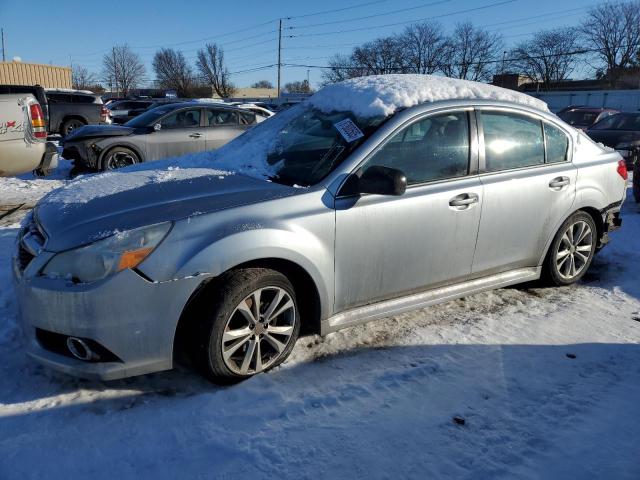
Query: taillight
[[622, 169], [37, 121], [104, 113]]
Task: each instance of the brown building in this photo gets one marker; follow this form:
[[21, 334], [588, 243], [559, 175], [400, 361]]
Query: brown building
[[49, 76]]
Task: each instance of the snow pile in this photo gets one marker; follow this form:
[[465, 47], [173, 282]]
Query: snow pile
[[384, 94]]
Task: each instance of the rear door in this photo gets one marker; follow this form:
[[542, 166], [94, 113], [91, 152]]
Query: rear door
[[529, 187], [181, 132], [222, 126]]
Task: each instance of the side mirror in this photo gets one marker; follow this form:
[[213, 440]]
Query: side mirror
[[157, 127], [382, 181]]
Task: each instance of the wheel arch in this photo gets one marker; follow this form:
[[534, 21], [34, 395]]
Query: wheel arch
[[591, 211], [137, 150], [306, 290]]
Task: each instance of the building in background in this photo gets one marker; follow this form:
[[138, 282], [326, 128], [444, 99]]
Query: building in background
[[48, 76]]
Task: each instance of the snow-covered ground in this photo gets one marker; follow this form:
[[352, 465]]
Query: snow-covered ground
[[547, 382]]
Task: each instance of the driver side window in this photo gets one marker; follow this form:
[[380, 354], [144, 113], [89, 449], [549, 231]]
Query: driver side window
[[182, 119], [433, 148]]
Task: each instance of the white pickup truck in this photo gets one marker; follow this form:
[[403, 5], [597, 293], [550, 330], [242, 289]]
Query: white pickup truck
[[23, 136]]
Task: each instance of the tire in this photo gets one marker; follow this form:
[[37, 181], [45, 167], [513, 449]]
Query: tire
[[118, 157], [225, 340], [566, 248], [70, 125]]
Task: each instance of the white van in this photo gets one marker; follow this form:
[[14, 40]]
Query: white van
[[23, 136]]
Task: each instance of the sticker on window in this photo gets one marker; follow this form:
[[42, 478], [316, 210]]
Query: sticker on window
[[349, 130]]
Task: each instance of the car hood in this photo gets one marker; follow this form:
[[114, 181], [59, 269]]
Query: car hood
[[74, 215], [93, 131], [611, 138]]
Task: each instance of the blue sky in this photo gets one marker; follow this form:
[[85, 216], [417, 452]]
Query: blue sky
[[63, 31]]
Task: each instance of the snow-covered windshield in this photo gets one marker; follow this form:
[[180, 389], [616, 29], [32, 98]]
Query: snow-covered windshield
[[313, 143]]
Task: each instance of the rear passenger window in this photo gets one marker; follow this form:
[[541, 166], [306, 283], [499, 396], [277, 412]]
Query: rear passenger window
[[222, 117], [247, 118], [434, 148], [511, 141], [557, 144]]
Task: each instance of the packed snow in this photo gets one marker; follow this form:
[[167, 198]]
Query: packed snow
[[526, 382], [378, 95]]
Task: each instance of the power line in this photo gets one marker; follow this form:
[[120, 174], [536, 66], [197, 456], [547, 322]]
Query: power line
[[390, 12], [324, 12]]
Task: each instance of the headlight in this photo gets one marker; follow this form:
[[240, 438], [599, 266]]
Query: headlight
[[108, 256]]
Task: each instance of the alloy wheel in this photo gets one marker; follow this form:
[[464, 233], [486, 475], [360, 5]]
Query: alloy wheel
[[258, 331], [120, 160], [574, 250]]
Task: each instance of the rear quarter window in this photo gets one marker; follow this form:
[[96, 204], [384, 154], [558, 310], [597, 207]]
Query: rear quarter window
[[556, 143]]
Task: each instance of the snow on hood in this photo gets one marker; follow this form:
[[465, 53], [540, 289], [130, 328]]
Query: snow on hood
[[384, 94]]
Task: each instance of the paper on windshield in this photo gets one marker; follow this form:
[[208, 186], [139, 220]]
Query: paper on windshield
[[349, 130]]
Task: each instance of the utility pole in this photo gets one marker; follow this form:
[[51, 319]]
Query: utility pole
[[279, 54], [4, 59]]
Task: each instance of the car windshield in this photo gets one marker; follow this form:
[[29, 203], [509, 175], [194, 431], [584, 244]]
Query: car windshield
[[149, 116], [619, 121], [311, 145], [579, 118]]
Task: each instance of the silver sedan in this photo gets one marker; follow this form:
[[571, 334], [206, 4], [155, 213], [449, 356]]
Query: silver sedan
[[437, 201], [165, 131]]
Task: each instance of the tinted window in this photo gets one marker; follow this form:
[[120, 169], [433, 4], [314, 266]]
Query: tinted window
[[511, 141], [579, 118], [619, 121], [247, 118], [222, 117], [83, 99], [434, 148], [58, 97], [557, 144], [182, 119]]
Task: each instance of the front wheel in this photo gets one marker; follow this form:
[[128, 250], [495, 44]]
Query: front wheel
[[572, 250], [119, 157], [250, 326]]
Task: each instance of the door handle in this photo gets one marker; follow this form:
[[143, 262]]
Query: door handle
[[463, 201], [559, 182], [195, 135]]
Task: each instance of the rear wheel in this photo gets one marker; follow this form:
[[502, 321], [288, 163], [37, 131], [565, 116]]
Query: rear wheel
[[572, 250], [70, 125], [250, 326], [119, 157]]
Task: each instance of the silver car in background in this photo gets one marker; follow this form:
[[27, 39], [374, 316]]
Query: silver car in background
[[165, 131], [437, 201]]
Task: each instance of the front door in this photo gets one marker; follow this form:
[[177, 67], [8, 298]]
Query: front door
[[387, 246], [180, 133], [529, 187]]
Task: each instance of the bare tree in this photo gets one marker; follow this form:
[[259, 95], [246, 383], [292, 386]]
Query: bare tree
[[211, 65], [380, 56], [173, 72], [548, 57], [123, 68], [262, 84], [298, 87], [81, 78], [422, 46], [470, 53], [613, 30], [341, 68]]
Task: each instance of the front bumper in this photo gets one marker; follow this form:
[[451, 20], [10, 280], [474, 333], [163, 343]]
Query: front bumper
[[131, 317]]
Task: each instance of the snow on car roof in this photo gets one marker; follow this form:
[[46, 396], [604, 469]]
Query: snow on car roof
[[383, 95]]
